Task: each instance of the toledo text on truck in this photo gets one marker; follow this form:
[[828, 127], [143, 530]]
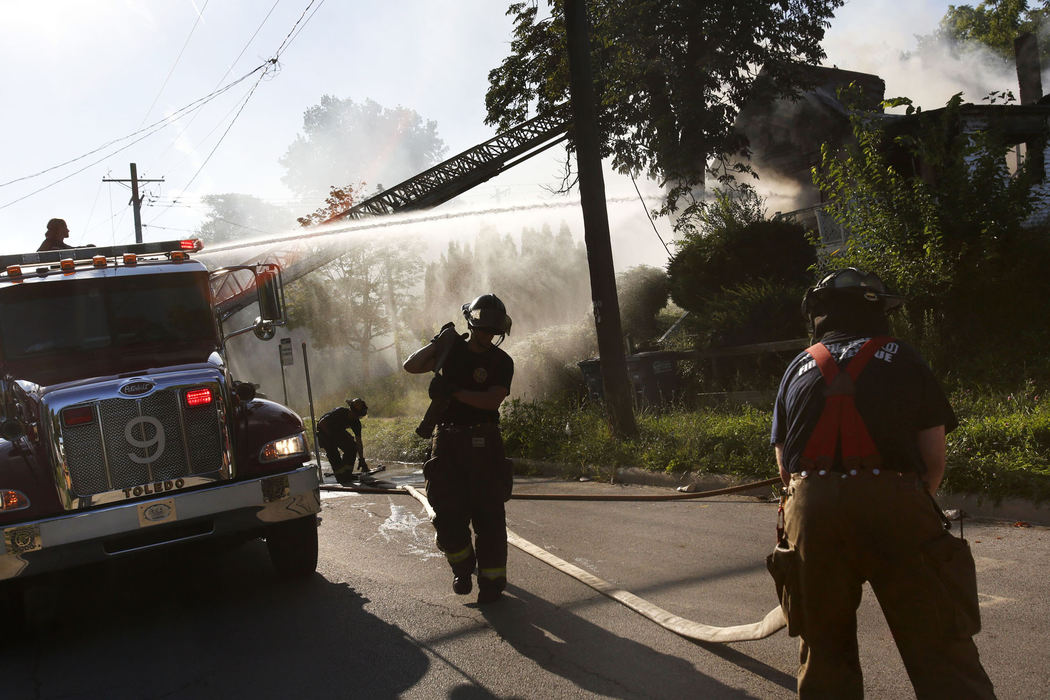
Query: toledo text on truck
[[122, 427]]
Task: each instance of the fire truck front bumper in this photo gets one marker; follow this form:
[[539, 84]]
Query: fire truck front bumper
[[240, 509]]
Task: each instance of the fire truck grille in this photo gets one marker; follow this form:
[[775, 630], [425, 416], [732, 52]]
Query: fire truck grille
[[138, 441]]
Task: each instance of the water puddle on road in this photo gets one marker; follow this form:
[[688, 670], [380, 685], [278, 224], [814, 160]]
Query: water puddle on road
[[403, 521]]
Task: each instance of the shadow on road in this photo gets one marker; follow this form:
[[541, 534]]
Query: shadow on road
[[593, 658], [204, 624]]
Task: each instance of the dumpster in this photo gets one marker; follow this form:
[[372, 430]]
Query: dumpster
[[653, 375]]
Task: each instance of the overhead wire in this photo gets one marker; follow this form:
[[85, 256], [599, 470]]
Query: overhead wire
[[147, 131], [151, 129], [254, 34], [648, 215], [200, 13], [271, 63], [228, 71]]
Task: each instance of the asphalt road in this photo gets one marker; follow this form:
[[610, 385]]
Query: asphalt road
[[380, 619]]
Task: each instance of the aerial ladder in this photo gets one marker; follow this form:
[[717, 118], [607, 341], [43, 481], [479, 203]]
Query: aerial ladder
[[233, 291]]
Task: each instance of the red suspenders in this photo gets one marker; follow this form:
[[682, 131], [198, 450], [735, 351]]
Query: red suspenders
[[840, 420]]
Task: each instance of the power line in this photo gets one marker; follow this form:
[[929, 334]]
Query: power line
[[178, 58], [228, 71], [255, 34], [289, 38], [152, 128], [292, 34], [244, 104], [649, 216]]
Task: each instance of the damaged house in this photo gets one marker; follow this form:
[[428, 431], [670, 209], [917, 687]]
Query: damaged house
[[786, 135]]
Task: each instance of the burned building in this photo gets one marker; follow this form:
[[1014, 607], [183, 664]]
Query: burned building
[[786, 135]]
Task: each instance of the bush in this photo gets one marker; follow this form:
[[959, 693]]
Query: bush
[[1001, 448], [936, 213]]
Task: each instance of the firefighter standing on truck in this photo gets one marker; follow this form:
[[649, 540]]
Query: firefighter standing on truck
[[54, 237], [341, 447], [468, 477], [858, 430]]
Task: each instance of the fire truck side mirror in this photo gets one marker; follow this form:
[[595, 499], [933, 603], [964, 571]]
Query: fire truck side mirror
[[264, 329], [11, 429], [268, 285], [245, 391]]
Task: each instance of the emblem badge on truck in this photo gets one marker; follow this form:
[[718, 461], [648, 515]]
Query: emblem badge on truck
[[136, 388]]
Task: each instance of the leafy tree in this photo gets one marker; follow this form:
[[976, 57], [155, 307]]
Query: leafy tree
[[643, 292], [361, 297], [358, 300], [231, 216], [737, 253], [670, 76], [346, 141], [541, 282], [993, 23], [936, 213], [339, 199]]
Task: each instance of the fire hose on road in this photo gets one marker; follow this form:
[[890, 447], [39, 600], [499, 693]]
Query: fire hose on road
[[696, 631]]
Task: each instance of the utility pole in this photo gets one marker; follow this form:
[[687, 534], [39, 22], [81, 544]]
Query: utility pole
[[135, 199], [596, 224]]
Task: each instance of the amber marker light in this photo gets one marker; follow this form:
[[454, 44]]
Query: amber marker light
[[14, 271], [198, 397], [10, 499], [68, 265], [99, 261], [130, 259], [178, 256]]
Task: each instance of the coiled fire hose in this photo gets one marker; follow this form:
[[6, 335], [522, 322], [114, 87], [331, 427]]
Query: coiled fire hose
[[772, 622]]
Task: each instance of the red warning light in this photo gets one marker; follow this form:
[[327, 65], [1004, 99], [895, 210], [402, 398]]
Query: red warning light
[[198, 397], [193, 244], [78, 415]]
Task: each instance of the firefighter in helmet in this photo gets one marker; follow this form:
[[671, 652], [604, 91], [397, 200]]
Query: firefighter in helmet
[[341, 447], [468, 477], [859, 434]]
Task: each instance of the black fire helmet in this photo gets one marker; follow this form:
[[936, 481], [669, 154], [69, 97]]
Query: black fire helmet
[[359, 405], [850, 283], [487, 313]]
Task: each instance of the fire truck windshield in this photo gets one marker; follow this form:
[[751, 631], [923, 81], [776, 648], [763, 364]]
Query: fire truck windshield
[[113, 314]]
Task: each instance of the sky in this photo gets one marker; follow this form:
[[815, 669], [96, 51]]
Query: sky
[[81, 75]]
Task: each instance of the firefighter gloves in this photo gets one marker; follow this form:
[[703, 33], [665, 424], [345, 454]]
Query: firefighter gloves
[[441, 388]]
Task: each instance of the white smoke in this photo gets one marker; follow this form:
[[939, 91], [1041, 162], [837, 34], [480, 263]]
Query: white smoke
[[883, 37]]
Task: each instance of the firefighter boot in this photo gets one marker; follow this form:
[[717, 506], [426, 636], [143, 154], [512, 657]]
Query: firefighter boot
[[461, 573], [490, 589]]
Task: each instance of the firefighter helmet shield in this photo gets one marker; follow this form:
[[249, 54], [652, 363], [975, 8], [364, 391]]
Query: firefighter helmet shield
[[487, 313], [850, 283]]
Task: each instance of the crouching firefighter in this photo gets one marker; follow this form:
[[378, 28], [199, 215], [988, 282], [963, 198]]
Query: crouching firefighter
[[468, 477], [340, 446], [858, 430]]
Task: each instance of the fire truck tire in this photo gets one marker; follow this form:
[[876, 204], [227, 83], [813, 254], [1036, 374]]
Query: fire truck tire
[[293, 546]]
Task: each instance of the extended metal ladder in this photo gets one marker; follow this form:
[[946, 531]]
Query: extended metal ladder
[[427, 189]]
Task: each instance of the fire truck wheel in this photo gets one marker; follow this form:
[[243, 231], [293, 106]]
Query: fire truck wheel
[[293, 546]]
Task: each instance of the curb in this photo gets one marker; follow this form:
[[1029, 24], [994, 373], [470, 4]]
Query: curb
[[975, 506], [1013, 510]]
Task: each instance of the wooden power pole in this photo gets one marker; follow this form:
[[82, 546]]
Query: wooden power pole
[[606, 306], [136, 201]]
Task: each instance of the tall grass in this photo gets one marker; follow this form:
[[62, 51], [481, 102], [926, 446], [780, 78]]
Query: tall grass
[[1001, 448]]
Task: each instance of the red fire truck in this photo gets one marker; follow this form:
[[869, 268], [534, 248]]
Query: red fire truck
[[122, 427]]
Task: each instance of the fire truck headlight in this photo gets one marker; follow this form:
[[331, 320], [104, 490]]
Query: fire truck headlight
[[284, 448], [11, 499]]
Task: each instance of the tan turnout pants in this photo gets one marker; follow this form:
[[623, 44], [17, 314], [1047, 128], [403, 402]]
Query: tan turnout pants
[[877, 528]]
